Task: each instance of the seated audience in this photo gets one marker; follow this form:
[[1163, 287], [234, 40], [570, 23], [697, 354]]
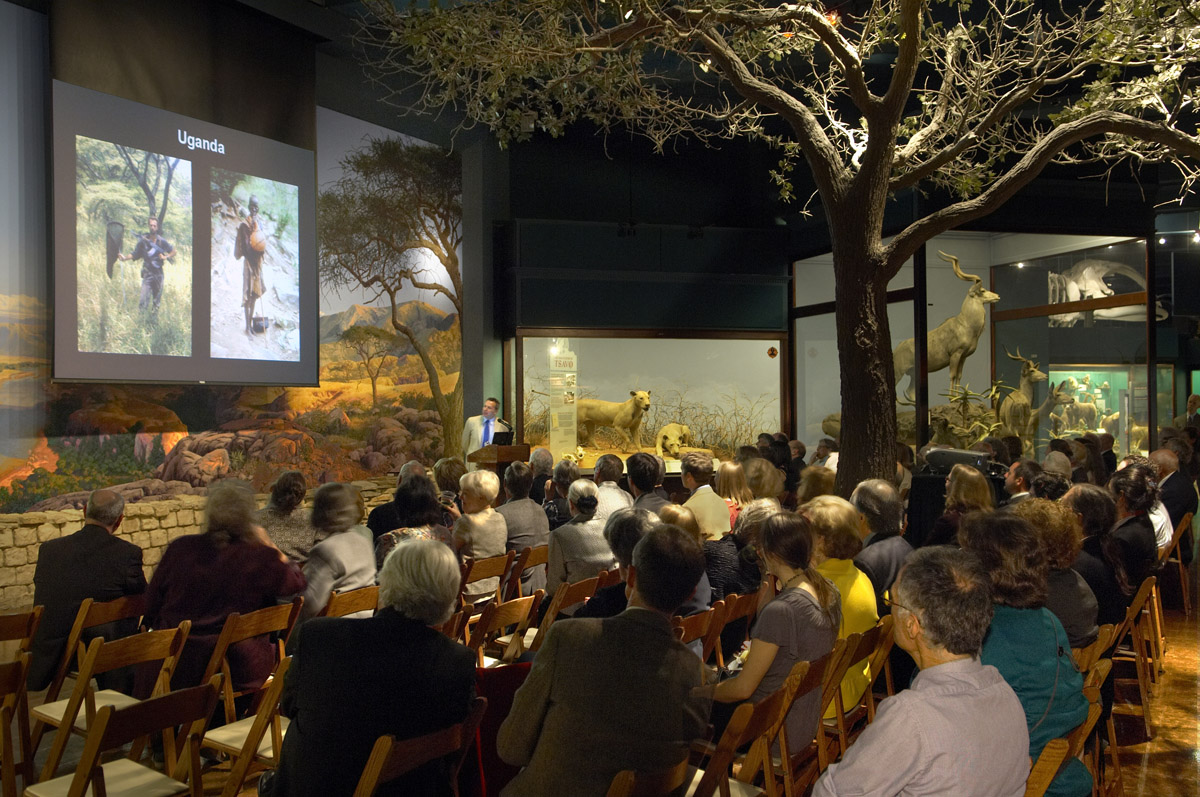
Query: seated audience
[[419, 517], [1013, 446], [577, 548], [1095, 471], [91, 563], [826, 454], [541, 462], [386, 517], [967, 490], [643, 478], [683, 518], [815, 481], [606, 695], [1099, 560], [342, 560], [881, 526], [763, 479], [731, 565], [731, 485], [999, 448], [342, 691], [1135, 490], [230, 566], [1067, 593], [1019, 479], [1057, 463], [746, 453], [447, 473], [622, 531], [557, 509], [527, 523], [835, 532], [959, 729], [1026, 642], [799, 624], [1049, 485], [609, 495], [288, 529], [1175, 490], [696, 470], [481, 532], [1107, 454]]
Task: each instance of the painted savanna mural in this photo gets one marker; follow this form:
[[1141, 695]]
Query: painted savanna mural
[[390, 215]]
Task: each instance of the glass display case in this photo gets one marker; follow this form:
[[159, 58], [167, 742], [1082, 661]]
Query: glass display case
[[724, 390]]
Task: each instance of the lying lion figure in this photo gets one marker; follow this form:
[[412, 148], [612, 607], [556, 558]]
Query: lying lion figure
[[624, 416], [670, 438]]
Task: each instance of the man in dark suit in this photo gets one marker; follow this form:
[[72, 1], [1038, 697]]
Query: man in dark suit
[[528, 526], [1019, 479], [386, 517], [91, 563], [1107, 454], [643, 477], [541, 461], [1177, 493], [354, 680], [613, 694]]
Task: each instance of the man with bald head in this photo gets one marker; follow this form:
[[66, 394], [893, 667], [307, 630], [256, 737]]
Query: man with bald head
[[91, 563], [1175, 491]]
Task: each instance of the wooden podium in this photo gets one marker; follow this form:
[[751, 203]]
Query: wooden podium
[[496, 458]]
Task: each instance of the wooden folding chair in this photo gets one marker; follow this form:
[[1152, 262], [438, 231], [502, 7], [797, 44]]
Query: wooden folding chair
[[492, 567], [1137, 625], [566, 595], [456, 626], [253, 740], [1046, 767], [20, 628], [279, 620], [737, 607], [859, 654], [529, 557], [705, 625], [391, 758], [1087, 656], [1107, 779], [607, 578], [12, 695], [100, 657], [340, 604], [115, 728], [629, 783], [90, 615], [880, 664], [749, 725], [1173, 557], [496, 618], [806, 765], [804, 677]]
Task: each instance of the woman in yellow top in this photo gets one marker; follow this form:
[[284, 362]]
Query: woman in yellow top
[[835, 526]]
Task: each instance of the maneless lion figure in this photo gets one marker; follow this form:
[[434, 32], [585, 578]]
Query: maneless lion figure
[[624, 416], [670, 438]]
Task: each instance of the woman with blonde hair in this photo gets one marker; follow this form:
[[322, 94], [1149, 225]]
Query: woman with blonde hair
[[967, 490], [731, 485], [481, 532], [764, 479], [684, 518], [815, 480], [835, 529]]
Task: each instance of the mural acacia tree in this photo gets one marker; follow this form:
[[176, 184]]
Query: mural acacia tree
[[397, 206], [373, 347], [972, 98]]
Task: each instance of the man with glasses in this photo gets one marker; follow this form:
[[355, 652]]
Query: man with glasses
[[959, 729]]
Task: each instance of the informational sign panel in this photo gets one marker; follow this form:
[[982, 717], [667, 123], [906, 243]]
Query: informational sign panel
[[561, 385]]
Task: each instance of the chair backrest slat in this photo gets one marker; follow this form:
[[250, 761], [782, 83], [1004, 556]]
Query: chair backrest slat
[[20, 626], [151, 646], [649, 784], [239, 627], [340, 604]]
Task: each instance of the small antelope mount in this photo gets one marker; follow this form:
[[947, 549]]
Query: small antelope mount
[[953, 340], [1016, 410]]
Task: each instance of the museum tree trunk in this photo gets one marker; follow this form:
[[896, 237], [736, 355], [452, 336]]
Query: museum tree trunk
[[868, 438]]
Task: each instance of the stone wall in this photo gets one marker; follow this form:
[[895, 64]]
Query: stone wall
[[150, 525]]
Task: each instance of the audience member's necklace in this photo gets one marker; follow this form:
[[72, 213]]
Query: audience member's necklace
[[790, 582]]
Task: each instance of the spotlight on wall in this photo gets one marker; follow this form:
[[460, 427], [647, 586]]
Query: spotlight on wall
[[1162, 241], [1020, 265], [1196, 237]]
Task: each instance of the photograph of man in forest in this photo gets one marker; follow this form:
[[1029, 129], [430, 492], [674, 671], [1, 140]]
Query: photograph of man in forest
[[152, 248]]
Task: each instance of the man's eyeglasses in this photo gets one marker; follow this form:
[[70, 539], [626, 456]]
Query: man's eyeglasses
[[887, 600]]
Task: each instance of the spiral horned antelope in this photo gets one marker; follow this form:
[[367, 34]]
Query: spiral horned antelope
[[953, 340], [1016, 410]]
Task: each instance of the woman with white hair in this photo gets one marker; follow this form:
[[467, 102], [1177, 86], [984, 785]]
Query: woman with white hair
[[481, 532], [356, 680], [578, 549], [342, 560]]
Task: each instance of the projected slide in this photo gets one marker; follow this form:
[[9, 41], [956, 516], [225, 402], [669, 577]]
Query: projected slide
[[183, 251], [133, 262], [255, 268]]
